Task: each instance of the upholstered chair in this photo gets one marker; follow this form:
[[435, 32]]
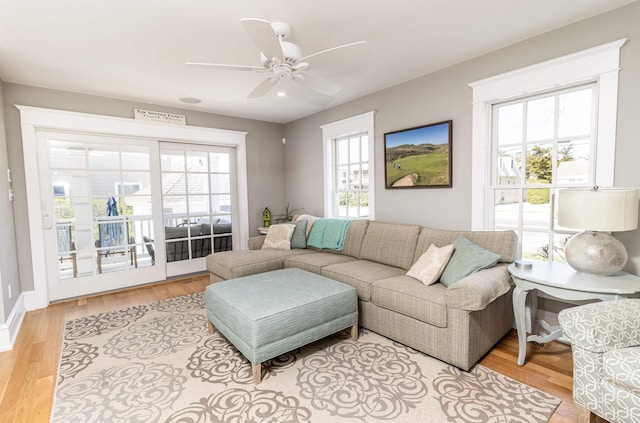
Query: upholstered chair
[[605, 340]]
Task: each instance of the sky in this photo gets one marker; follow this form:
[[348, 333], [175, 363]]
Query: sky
[[432, 134]]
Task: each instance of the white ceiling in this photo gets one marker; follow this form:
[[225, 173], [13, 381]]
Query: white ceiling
[[136, 49]]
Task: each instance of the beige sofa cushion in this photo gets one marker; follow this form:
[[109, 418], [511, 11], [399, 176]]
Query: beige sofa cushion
[[234, 264], [360, 274], [315, 261], [355, 235], [391, 243], [412, 298], [479, 289], [504, 243]]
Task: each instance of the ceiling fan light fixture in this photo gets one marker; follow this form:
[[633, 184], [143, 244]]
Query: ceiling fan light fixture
[[282, 94]]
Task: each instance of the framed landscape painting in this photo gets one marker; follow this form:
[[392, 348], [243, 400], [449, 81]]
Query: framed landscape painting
[[419, 157]]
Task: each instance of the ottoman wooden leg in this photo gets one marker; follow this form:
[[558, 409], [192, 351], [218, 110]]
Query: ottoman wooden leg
[[354, 332], [257, 373], [212, 329]]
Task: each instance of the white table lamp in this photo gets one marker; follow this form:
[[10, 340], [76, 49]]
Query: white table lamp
[[597, 212]]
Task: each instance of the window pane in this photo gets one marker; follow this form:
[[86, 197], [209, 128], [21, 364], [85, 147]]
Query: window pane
[[220, 184], [365, 176], [221, 204], [354, 150], [342, 180], [507, 208], [509, 166], [135, 160], [559, 242], [172, 161], [534, 245], [66, 155], [536, 208], [102, 158], [342, 151], [539, 164], [364, 204], [103, 183], [196, 161], [575, 113], [70, 183], [364, 146], [573, 162], [540, 119], [355, 183], [198, 205], [219, 162], [134, 183], [198, 183], [510, 124], [173, 183]]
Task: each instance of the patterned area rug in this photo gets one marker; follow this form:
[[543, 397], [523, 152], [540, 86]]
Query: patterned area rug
[[157, 363]]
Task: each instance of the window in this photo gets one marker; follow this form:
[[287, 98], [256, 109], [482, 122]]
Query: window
[[351, 177], [539, 144], [348, 175], [540, 128]]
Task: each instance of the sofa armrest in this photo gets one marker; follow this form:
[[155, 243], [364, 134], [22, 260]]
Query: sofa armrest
[[255, 242], [479, 289], [603, 326]]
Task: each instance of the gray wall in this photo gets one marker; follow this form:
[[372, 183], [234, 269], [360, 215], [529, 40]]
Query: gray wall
[[9, 275], [265, 162], [445, 95]]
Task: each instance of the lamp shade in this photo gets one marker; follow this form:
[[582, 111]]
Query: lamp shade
[[607, 209]]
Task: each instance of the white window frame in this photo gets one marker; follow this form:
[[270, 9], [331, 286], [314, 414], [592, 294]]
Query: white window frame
[[360, 124], [599, 64]]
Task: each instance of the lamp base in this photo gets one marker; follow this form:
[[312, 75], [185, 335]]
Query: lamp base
[[598, 253]]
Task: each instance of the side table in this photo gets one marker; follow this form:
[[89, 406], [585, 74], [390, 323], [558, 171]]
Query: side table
[[561, 281]]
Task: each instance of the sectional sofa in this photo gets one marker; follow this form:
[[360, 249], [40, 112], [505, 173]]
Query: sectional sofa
[[456, 324]]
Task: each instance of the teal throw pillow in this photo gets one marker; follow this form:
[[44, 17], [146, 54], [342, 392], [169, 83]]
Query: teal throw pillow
[[299, 237], [467, 258]]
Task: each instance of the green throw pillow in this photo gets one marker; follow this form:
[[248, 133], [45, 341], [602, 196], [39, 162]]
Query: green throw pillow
[[467, 258], [299, 238]]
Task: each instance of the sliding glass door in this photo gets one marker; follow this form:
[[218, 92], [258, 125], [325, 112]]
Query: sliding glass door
[[126, 211]]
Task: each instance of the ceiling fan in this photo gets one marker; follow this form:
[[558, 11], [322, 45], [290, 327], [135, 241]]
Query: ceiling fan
[[283, 59]]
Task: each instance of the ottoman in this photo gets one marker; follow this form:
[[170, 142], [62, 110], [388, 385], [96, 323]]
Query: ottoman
[[268, 314]]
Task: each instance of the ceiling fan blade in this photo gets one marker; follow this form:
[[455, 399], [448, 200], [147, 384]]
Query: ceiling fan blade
[[337, 55], [320, 85], [264, 37], [226, 67], [304, 93], [262, 88]]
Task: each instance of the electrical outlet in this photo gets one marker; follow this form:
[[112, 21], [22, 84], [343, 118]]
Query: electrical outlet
[[10, 293]]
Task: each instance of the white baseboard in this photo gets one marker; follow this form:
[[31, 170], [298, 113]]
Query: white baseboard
[[9, 330]]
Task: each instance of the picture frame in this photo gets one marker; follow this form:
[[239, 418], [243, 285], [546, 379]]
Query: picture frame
[[419, 157]]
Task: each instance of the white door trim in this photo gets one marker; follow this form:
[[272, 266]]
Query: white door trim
[[33, 119]]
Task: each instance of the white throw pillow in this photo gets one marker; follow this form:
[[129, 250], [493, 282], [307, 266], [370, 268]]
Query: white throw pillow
[[279, 237], [431, 264]]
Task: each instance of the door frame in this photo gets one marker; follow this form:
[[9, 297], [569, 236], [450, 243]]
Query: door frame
[[34, 119]]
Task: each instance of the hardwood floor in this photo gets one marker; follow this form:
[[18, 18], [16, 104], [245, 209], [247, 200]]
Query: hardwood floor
[[28, 372]]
